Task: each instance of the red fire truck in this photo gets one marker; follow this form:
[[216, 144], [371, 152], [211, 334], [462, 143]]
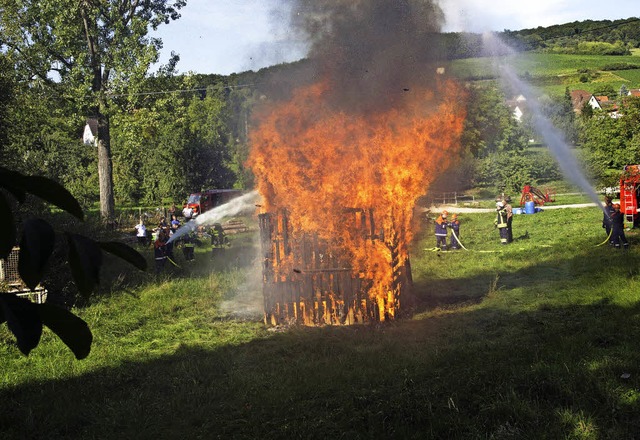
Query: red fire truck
[[629, 192], [205, 200]]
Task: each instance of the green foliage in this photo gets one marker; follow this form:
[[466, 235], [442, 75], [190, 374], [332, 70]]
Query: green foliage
[[37, 243], [96, 49], [175, 145], [611, 143], [610, 36], [620, 66]]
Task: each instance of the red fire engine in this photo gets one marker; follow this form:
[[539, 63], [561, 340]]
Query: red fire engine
[[203, 201], [629, 191]]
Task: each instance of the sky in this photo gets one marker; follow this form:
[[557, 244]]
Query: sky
[[227, 36]]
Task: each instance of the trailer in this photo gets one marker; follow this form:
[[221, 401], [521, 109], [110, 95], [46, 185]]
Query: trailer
[[11, 282]]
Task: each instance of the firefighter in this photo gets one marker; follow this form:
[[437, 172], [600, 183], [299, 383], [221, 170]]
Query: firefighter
[[617, 228], [218, 237], [501, 223], [509, 209], [160, 250], [454, 225], [606, 216], [441, 231], [189, 246]]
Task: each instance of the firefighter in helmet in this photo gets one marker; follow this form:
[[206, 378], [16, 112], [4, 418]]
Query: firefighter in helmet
[[441, 231], [501, 223], [607, 216], [454, 225], [617, 228]]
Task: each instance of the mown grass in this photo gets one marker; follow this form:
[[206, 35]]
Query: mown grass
[[526, 341]]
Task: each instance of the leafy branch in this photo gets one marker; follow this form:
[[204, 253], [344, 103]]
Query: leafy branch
[[37, 242]]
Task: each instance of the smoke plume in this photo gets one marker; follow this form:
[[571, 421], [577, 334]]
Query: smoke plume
[[370, 52]]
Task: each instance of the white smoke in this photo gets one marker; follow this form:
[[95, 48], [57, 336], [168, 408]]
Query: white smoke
[[215, 215]]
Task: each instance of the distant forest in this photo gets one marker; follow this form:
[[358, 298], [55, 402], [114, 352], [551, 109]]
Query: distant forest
[[602, 37]]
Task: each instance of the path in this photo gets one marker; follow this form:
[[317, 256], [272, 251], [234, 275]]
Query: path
[[464, 210]]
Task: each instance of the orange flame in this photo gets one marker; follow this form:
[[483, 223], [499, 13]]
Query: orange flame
[[314, 160]]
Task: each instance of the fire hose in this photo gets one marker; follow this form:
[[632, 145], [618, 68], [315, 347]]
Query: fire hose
[[173, 262], [458, 240], [607, 239]]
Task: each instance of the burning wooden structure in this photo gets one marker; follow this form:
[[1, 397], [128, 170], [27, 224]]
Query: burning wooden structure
[[312, 280]]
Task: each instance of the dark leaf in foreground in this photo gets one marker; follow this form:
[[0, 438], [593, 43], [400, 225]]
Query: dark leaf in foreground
[[54, 193], [36, 246], [125, 252], [73, 331], [12, 181], [85, 259], [23, 320], [7, 228]]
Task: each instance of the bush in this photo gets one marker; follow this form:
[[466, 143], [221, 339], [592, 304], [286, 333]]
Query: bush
[[620, 66]]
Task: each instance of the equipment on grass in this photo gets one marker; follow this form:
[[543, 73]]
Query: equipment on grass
[[533, 194]]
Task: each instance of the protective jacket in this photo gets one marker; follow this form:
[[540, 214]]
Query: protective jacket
[[455, 228], [503, 226], [617, 230], [441, 227], [501, 220]]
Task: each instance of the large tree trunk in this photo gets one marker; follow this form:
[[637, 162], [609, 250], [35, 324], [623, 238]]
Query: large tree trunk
[[105, 170]]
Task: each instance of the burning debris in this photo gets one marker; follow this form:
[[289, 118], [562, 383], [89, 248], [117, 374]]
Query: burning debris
[[340, 168]]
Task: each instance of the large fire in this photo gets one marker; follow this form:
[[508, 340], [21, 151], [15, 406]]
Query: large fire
[[314, 160]]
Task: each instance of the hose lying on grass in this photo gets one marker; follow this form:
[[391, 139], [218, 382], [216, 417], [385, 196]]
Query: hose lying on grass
[[607, 239]]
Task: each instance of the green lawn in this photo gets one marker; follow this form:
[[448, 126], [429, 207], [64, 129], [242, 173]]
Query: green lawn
[[537, 339]]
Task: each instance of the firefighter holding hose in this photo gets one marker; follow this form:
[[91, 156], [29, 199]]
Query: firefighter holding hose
[[454, 225], [441, 231], [617, 228]]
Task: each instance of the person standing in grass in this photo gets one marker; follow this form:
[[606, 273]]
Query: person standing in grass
[[189, 245], [441, 231], [160, 250], [141, 233], [454, 225], [501, 223], [509, 210], [606, 217], [617, 228]]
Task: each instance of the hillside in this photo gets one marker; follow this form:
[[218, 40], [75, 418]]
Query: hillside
[[553, 73]]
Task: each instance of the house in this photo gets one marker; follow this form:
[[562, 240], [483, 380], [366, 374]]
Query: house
[[517, 106], [581, 97], [90, 134]]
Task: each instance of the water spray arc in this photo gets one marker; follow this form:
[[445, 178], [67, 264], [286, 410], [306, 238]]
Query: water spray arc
[[551, 135], [231, 208]]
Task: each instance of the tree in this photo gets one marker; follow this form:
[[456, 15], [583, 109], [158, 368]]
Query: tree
[[87, 51], [611, 143]]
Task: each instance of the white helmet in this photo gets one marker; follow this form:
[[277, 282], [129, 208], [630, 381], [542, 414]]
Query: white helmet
[[499, 205]]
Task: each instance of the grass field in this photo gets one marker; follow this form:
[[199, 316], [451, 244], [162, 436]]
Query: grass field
[[553, 73], [537, 339]]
